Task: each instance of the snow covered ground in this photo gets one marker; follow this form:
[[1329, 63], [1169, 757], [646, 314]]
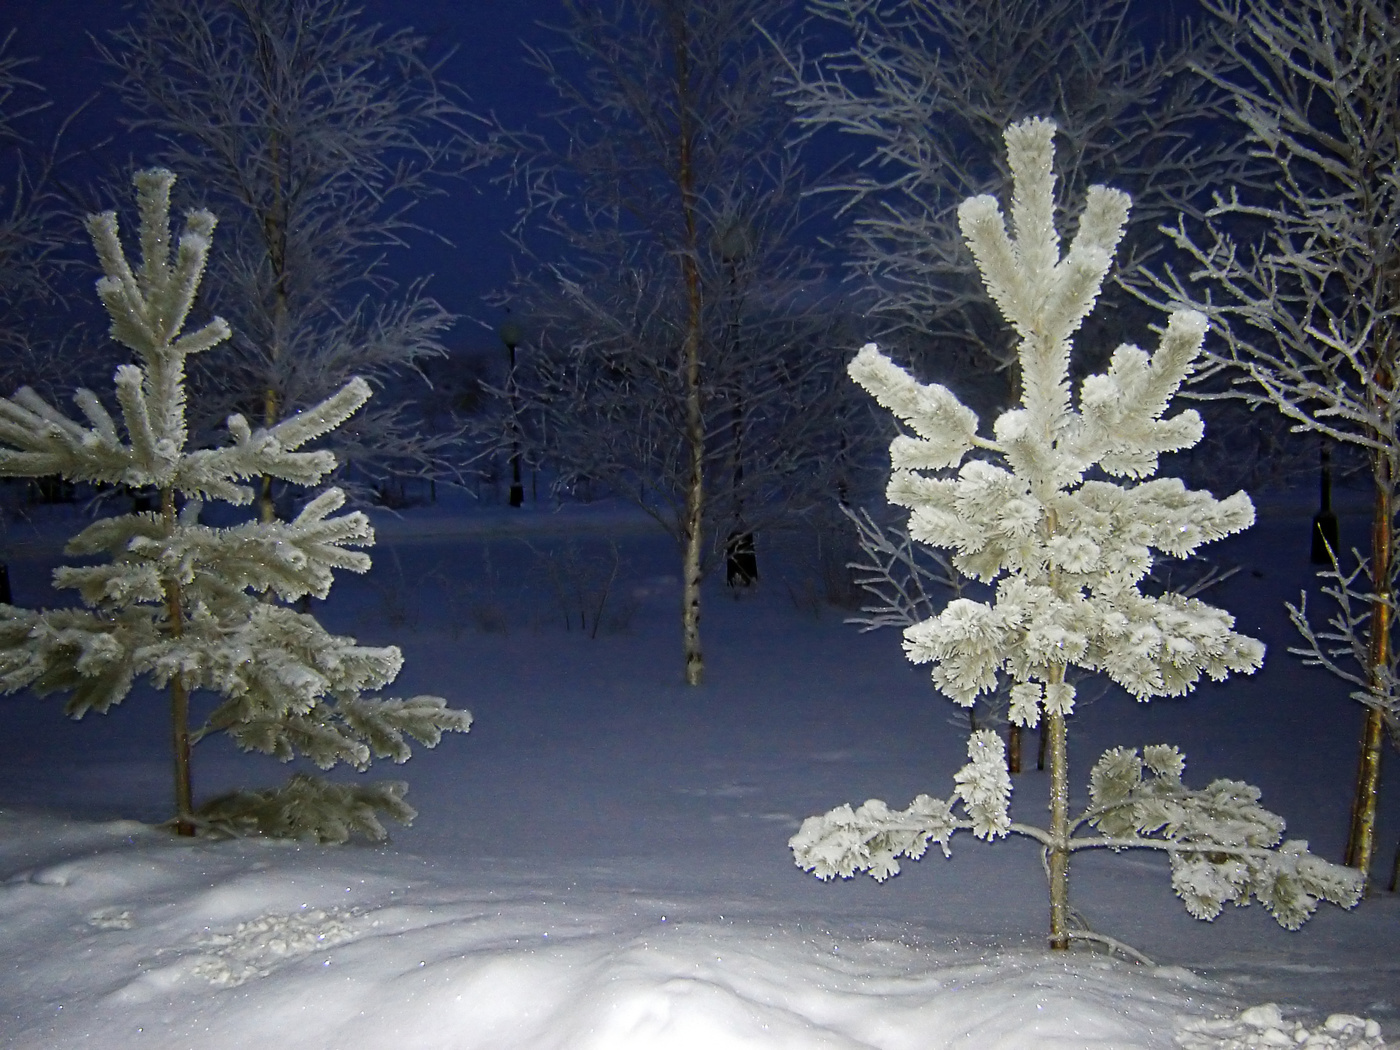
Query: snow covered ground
[[602, 861]]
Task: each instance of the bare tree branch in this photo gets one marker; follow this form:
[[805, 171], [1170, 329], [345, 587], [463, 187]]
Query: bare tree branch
[[314, 137], [1300, 273], [927, 89]]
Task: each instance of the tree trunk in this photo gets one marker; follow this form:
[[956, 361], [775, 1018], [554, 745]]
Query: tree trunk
[[179, 694], [1361, 845], [1361, 842], [693, 529], [267, 507], [690, 613], [1013, 731], [1013, 748], [1326, 530], [274, 225], [1058, 851]]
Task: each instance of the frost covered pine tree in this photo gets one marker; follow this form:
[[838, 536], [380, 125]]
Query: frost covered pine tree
[[1032, 512], [181, 603]]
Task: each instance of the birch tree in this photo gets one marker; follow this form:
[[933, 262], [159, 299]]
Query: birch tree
[[1300, 269], [170, 599], [1034, 512], [925, 91], [672, 316], [314, 136]]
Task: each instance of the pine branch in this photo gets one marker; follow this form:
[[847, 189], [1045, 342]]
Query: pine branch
[[311, 809], [897, 575], [1223, 847]]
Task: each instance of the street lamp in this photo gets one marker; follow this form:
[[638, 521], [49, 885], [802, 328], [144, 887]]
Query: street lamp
[[511, 335], [1325, 526], [734, 242]]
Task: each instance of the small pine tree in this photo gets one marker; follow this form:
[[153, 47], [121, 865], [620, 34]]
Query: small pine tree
[[184, 604], [1033, 513]]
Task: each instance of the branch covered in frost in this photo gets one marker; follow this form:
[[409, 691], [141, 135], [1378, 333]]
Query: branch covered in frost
[[1223, 846], [873, 837], [947, 429], [1345, 650], [897, 574], [309, 808], [926, 90], [314, 136]]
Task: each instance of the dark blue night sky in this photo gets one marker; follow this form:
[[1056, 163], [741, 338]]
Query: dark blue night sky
[[485, 58], [485, 61]]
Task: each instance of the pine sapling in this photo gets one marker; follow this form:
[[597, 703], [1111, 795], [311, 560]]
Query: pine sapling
[[1032, 512], [181, 603]]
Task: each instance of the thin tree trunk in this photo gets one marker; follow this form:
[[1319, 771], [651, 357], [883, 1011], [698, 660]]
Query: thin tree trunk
[[1058, 851], [693, 529], [179, 694], [1326, 529], [1361, 846], [1361, 842], [1052, 728], [267, 507], [1013, 748], [1013, 731], [275, 234]]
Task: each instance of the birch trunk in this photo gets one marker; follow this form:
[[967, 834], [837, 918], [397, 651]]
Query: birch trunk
[[693, 533]]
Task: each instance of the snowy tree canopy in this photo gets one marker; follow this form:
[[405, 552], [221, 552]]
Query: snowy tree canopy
[[1030, 510], [181, 602]]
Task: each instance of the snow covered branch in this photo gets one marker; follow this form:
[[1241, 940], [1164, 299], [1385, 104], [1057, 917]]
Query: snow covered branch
[[1223, 846]]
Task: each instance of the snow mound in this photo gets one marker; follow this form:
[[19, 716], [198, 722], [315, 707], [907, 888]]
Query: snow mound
[[1263, 1027]]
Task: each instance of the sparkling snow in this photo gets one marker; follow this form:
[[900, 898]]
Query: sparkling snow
[[602, 861]]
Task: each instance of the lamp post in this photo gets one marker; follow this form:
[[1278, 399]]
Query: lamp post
[[511, 335], [1325, 527], [734, 242]]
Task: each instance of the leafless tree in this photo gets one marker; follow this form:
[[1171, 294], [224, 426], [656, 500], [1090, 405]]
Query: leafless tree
[[926, 90], [1300, 270], [31, 245], [313, 136], [30, 240], [679, 334]]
